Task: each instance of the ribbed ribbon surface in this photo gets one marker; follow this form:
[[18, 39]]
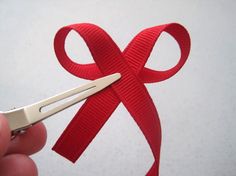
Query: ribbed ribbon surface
[[129, 90]]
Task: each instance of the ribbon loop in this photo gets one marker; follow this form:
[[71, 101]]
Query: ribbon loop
[[129, 90]]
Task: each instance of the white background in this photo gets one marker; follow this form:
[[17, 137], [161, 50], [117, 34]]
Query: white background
[[197, 106]]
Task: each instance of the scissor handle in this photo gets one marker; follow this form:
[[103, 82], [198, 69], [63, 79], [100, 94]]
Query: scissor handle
[[17, 121]]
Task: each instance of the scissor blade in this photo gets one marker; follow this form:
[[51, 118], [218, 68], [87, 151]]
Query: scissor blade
[[37, 113]]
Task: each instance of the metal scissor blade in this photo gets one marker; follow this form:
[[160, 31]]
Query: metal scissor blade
[[23, 117]]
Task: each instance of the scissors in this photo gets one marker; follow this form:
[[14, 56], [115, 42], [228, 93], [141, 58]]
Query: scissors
[[22, 118]]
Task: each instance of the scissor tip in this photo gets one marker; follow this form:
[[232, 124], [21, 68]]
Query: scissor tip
[[107, 80], [114, 77], [117, 75]]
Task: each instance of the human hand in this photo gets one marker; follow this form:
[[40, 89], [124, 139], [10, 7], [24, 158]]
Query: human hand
[[14, 154]]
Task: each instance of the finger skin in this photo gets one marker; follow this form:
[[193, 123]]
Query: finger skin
[[13, 153], [17, 165], [30, 142], [4, 135]]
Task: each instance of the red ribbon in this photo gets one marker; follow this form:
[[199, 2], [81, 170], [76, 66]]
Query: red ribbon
[[129, 90]]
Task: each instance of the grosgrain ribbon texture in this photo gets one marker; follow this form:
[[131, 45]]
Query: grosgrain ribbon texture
[[130, 89]]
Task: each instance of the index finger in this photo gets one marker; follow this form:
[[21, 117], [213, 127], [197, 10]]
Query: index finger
[[29, 142]]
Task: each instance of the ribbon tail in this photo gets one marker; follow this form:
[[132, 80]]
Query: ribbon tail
[[86, 124], [154, 170]]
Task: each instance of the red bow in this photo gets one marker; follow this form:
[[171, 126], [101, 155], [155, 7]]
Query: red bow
[[129, 90]]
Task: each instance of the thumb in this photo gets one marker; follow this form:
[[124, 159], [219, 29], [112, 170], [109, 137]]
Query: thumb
[[4, 135]]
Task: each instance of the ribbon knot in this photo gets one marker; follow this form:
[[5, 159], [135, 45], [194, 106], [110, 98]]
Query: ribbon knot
[[129, 90]]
